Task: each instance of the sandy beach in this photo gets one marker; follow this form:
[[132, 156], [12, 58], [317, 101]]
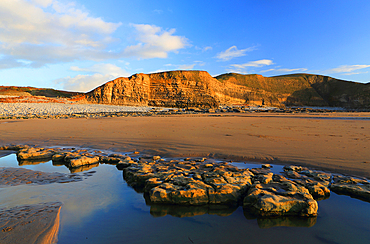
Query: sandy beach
[[337, 142]]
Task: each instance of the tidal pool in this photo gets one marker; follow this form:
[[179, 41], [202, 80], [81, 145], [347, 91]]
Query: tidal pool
[[104, 209]]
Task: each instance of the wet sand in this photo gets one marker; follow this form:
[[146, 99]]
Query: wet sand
[[338, 142]]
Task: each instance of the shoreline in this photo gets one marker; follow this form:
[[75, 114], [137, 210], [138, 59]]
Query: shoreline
[[312, 140]]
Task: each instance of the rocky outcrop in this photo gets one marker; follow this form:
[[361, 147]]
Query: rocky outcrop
[[188, 182], [202, 183], [200, 89], [280, 197], [35, 153], [351, 186]]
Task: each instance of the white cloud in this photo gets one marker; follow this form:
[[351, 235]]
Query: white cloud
[[258, 63], [51, 31], [100, 74], [346, 69], [47, 31], [186, 66], [43, 3], [242, 68], [103, 68], [154, 42], [285, 70], [233, 52]]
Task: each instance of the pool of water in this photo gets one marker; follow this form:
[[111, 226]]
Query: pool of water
[[104, 209]]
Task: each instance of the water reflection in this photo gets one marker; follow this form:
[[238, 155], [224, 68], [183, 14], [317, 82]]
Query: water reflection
[[287, 221], [83, 168], [162, 210], [190, 211], [103, 209], [31, 162]]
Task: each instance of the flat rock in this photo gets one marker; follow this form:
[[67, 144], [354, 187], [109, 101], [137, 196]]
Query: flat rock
[[31, 224], [21, 176], [82, 160], [280, 199], [35, 153], [188, 182], [351, 186]]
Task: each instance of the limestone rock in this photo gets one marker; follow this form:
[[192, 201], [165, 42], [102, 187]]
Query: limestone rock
[[188, 182], [294, 168], [35, 153], [280, 199], [317, 190], [351, 186], [110, 160], [83, 160]]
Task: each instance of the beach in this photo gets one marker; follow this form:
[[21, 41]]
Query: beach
[[336, 142]]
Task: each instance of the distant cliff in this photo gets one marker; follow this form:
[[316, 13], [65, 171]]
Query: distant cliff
[[200, 89], [166, 89]]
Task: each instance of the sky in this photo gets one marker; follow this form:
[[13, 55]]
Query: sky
[[77, 45]]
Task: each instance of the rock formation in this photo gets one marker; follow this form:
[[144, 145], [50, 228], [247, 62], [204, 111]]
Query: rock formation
[[166, 89], [200, 89]]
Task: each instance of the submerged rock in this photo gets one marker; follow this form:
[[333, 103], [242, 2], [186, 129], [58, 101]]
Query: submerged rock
[[21, 176]]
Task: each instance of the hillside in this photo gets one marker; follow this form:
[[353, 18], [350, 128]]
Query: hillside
[[200, 89], [32, 91]]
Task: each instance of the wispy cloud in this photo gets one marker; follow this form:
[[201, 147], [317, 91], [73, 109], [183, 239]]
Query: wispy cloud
[[258, 63], [347, 69], [98, 74], [284, 70], [185, 66], [154, 42], [158, 11], [243, 68], [233, 52]]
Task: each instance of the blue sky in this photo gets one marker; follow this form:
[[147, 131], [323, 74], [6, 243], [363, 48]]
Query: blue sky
[[81, 44]]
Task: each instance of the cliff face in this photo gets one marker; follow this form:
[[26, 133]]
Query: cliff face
[[167, 89], [199, 89]]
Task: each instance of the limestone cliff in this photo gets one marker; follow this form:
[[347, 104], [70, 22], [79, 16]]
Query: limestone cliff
[[167, 89], [200, 89]]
